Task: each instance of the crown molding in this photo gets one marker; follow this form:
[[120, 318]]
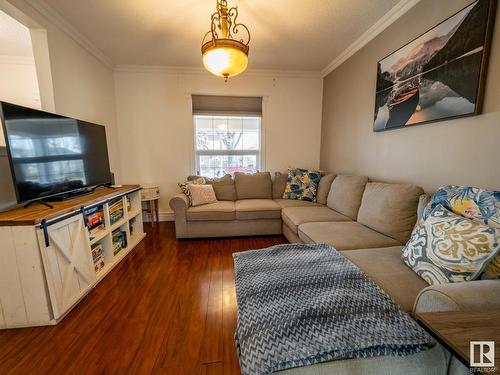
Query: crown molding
[[193, 70], [57, 20], [17, 60], [389, 18]]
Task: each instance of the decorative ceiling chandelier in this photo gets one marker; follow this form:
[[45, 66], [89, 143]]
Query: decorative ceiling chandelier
[[225, 53]]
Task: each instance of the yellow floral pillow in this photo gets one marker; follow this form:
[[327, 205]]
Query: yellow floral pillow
[[302, 184]]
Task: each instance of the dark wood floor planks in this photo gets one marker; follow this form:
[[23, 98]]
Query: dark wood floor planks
[[168, 308]]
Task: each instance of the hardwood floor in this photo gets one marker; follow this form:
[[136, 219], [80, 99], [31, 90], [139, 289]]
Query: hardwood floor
[[168, 308]]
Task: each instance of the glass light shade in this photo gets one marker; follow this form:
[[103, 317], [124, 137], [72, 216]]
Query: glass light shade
[[225, 61]]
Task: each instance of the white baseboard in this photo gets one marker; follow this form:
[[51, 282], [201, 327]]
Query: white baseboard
[[164, 216]]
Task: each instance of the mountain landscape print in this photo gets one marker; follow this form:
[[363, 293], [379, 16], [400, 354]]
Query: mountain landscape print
[[437, 76]]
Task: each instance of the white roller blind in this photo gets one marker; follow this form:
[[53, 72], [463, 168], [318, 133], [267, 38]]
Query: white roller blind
[[227, 105]]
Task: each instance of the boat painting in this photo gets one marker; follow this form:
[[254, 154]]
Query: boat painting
[[439, 75]]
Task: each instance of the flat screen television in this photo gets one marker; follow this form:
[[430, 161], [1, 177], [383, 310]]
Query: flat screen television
[[52, 156]]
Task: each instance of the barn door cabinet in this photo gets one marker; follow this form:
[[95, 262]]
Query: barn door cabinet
[[47, 256]]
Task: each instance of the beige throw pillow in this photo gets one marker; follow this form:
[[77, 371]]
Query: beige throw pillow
[[279, 184], [324, 188], [185, 187], [223, 186], [253, 186], [202, 194]]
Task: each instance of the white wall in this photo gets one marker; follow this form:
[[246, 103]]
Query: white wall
[[73, 82], [156, 130], [19, 83], [18, 76]]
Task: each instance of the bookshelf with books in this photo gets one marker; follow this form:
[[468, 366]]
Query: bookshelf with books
[[95, 222], [119, 238], [97, 250], [116, 210], [133, 204], [83, 238]]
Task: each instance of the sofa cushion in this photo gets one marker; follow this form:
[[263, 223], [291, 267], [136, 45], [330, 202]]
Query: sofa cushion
[[433, 361], [345, 194], [279, 184], [222, 210], [385, 267], [253, 186], [324, 188], [294, 216], [295, 203], [251, 209], [344, 235], [223, 187], [302, 184], [390, 209]]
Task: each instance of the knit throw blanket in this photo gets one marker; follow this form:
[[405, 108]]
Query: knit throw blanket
[[300, 305]]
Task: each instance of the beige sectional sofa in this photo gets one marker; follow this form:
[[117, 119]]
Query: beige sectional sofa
[[369, 222], [248, 205]]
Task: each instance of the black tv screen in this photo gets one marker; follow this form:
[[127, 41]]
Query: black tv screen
[[51, 154]]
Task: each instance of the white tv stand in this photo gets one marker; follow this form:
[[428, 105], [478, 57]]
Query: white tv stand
[[46, 264]]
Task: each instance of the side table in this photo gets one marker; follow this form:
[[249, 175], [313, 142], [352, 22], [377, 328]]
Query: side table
[[150, 195], [455, 330]]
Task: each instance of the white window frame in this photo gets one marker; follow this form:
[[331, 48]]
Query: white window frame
[[198, 153]]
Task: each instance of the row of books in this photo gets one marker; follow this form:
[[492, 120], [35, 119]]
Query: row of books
[[95, 220], [115, 211], [98, 257], [129, 203], [119, 238]]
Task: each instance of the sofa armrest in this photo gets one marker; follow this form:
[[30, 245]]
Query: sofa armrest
[[468, 295], [179, 204]]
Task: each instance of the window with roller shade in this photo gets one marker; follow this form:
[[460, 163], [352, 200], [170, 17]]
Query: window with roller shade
[[227, 135]]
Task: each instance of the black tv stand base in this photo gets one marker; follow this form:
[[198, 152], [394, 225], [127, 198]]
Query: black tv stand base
[[68, 195], [38, 201], [109, 186]]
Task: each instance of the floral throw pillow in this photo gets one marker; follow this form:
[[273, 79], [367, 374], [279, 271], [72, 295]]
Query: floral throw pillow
[[302, 184], [474, 203], [185, 187], [447, 248]]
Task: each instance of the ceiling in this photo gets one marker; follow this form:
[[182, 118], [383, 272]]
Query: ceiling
[[15, 38], [286, 34]]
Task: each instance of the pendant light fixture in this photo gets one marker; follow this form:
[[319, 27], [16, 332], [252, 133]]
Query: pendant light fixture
[[225, 47]]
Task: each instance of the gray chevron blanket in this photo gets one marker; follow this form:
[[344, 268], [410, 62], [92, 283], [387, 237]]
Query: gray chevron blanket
[[300, 304]]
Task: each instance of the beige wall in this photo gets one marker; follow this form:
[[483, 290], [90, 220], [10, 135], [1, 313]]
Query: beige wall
[[75, 83], [463, 151], [156, 129]]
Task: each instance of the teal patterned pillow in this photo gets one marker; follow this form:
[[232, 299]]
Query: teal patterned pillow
[[474, 203], [447, 248], [302, 184]]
